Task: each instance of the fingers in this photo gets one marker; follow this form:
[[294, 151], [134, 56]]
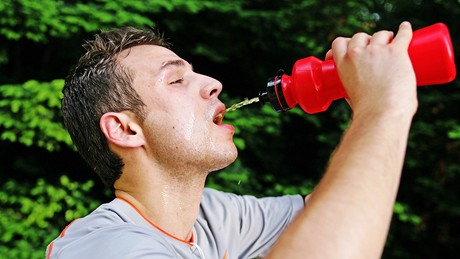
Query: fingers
[[341, 45], [381, 37], [359, 40], [328, 55], [404, 35], [339, 48]]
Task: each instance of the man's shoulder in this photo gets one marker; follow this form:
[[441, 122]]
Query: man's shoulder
[[218, 200], [107, 231]]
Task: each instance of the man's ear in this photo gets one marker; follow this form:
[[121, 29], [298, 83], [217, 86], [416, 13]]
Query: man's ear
[[122, 129]]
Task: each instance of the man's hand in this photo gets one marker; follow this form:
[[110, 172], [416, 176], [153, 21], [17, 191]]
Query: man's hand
[[376, 71]]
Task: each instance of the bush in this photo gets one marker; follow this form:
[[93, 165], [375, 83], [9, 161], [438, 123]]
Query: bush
[[32, 216]]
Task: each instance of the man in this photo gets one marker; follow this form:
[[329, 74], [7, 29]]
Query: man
[[151, 127]]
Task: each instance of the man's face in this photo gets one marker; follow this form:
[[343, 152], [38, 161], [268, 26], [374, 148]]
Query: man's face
[[183, 113]]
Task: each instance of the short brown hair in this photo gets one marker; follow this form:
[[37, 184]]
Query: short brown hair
[[99, 84]]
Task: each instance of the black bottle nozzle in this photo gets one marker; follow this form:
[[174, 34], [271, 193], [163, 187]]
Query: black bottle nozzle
[[274, 93], [263, 97]]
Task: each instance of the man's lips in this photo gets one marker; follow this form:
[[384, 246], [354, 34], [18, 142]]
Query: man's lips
[[218, 121]]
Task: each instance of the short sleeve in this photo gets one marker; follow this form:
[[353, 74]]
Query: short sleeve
[[245, 225]]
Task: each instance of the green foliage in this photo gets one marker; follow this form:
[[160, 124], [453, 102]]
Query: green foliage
[[29, 114], [455, 132], [39, 20], [31, 216], [402, 211]]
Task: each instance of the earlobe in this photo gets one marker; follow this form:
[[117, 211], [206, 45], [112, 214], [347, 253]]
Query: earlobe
[[121, 129]]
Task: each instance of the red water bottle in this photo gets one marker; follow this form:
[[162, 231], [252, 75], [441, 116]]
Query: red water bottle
[[314, 83]]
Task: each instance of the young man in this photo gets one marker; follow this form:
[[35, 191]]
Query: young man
[[151, 127]]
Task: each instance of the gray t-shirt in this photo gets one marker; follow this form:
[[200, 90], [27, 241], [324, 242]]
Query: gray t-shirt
[[228, 226]]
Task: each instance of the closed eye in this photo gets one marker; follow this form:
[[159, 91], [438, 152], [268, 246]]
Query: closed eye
[[178, 81]]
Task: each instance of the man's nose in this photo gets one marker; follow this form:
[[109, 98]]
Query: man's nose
[[211, 87]]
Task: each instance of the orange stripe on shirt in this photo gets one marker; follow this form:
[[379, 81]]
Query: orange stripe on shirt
[[61, 235], [192, 238]]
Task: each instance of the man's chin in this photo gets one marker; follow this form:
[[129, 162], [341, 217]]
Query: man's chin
[[224, 163]]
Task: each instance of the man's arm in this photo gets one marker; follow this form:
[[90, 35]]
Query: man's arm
[[349, 213]]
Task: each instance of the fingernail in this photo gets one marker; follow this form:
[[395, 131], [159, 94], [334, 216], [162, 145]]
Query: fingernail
[[404, 23]]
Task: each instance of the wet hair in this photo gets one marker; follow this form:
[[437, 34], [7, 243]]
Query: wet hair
[[98, 84]]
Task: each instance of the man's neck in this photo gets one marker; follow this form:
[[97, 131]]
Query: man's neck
[[171, 204]]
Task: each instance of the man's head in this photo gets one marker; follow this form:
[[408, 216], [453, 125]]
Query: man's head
[[130, 92], [98, 84]]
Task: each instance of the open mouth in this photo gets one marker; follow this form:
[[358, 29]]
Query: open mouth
[[218, 119]]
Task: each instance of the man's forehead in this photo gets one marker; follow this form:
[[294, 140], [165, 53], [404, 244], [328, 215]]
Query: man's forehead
[[177, 62], [151, 62], [153, 56]]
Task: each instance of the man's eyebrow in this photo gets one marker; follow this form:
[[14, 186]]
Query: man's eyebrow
[[175, 62]]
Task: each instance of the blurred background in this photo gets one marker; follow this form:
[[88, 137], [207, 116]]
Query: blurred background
[[44, 184]]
